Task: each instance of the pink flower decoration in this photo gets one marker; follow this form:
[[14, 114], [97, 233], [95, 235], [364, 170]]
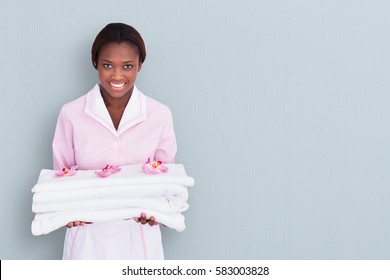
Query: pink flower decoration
[[66, 172], [154, 167], [108, 170]]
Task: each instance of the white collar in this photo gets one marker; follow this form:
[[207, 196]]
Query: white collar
[[135, 111]]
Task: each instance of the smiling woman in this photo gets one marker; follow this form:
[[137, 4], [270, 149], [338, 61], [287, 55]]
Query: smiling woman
[[114, 124], [117, 53], [118, 66]]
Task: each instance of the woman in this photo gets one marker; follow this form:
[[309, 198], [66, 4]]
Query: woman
[[114, 124]]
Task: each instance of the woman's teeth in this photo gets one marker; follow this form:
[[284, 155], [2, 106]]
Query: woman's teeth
[[117, 85]]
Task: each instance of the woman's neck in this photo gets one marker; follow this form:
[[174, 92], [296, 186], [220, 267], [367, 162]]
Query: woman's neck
[[116, 106], [116, 103]]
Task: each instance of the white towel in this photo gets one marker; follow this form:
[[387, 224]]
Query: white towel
[[98, 192], [87, 197], [129, 175], [46, 223], [158, 203]]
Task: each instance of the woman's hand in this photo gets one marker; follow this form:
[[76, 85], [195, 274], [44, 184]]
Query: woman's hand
[[76, 224], [143, 220]]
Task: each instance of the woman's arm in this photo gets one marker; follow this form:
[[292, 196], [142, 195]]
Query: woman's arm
[[167, 147], [63, 148], [63, 151]]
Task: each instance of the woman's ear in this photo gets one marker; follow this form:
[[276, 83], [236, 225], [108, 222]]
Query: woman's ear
[[139, 66]]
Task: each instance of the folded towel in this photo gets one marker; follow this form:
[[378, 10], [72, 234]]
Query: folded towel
[[87, 197], [113, 191], [162, 204], [46, 223], [129, 175]]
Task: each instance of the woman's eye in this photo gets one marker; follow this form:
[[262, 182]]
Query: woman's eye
[[106, 65], [127, 66]]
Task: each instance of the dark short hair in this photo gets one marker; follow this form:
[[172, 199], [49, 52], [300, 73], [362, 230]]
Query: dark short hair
[[117, 33]]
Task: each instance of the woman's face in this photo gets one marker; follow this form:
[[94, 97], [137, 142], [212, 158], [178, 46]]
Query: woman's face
[[118, 66]]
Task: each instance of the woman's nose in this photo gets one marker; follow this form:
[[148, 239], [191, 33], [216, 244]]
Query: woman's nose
[[117, 73]]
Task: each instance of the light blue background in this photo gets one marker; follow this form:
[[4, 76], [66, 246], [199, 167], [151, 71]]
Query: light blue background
[[281, 111]]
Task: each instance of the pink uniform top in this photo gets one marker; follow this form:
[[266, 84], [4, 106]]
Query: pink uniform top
[[86, 136]]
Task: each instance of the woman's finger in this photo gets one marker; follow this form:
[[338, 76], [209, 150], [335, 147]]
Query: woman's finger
[[143, 218], [152, 221]]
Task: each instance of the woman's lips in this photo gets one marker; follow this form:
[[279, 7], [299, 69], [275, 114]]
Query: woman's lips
[[117, 85]]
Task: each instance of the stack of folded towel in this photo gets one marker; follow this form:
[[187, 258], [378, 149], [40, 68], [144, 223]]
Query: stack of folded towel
[[127, 194]]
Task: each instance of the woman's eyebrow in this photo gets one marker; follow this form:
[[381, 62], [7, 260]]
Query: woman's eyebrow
[[109, 61]]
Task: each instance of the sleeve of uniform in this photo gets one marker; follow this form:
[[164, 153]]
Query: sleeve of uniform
[[63, 148], [167, 147]]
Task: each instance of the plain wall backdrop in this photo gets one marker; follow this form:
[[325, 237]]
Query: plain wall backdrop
[[281, 111]]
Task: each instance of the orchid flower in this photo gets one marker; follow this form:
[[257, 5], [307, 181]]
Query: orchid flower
[[66, 172], [154, 167], [108, 170]]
